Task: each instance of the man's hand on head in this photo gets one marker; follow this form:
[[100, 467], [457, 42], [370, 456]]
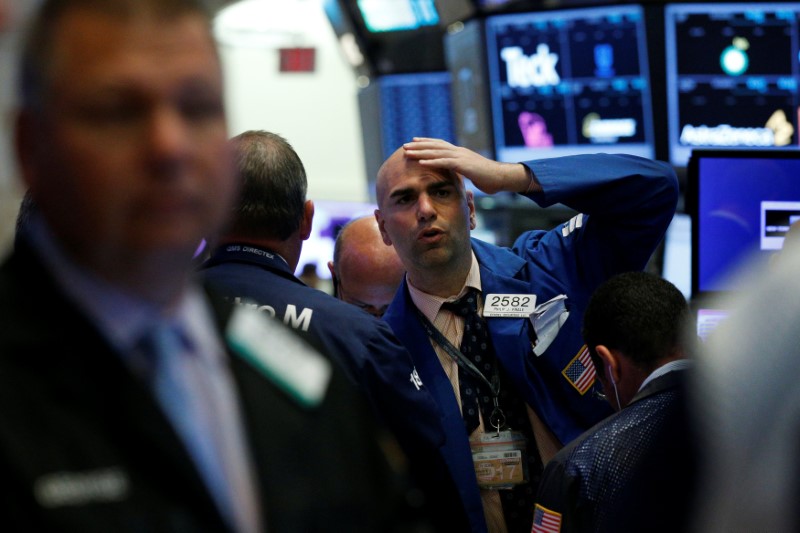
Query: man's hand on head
[[487, 175]]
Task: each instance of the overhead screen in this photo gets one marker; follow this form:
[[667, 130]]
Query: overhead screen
[[396, 107], [416, 104], [465, 57], [391, 36], [397, 15], [569, 81], [732, 76], [742, 203]]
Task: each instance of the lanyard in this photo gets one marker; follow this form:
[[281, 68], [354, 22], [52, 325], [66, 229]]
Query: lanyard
[[497, 418]]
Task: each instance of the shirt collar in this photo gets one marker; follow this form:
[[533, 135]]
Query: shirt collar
[[122, 318], [430, 305], [672, 366]]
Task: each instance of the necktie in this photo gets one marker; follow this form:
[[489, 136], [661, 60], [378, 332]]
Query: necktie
[[477, 348], [163, 348]]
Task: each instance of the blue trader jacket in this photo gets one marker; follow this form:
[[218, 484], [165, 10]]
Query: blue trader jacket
[[625, 204], [364, 346]]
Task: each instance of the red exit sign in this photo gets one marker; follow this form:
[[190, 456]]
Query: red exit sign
[[297, 59]]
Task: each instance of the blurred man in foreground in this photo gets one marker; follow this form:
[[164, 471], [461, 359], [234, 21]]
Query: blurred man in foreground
[[131, 401], [747, 400]]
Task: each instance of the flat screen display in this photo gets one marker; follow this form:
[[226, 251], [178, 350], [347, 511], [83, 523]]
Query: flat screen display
[[742, 203], [708, 319], [732, 76], [414, 105], [388, 36], [397, 15], [465, 56], [397, 107], [569, 81]]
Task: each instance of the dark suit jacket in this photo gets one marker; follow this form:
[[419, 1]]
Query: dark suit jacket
[[85, 447], [638, 459]]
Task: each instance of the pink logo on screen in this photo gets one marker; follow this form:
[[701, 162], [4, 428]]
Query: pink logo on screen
[[534, 130]]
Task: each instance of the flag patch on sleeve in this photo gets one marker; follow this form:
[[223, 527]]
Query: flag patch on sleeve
[[580, 371], [545, 520]]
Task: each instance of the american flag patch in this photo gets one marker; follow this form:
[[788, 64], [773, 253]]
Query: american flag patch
[[545, 520], [580, 371]]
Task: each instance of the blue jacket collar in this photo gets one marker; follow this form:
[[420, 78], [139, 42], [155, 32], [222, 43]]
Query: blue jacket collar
[[247, 253]]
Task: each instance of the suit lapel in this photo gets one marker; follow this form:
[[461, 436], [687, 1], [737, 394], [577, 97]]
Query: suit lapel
[[113, 406], [498, 270], [455, 451], [132, 416]]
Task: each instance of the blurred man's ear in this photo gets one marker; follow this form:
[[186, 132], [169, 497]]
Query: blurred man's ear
[[308, 220]]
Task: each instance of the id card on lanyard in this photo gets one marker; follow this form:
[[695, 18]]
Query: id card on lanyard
[[499, 456], [499, 459]]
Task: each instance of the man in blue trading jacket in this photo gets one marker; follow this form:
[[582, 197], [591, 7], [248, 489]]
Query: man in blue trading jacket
[[253, 264], [625, 205]]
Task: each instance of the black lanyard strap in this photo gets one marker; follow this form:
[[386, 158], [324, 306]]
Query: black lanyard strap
[[497, 418]]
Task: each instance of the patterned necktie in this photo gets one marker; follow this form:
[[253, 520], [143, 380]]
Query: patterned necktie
[[476, 345], [477, 348]]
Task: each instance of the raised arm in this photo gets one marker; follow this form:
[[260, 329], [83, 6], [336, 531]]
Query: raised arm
[[488, 176], [626, 204]]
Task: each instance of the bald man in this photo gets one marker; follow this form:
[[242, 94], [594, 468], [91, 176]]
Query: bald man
[[533, 373], [365, 272]]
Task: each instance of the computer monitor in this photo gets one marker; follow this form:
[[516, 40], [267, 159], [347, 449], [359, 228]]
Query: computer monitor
[[742, 203], [415, 104], [732, 76], [708, 319], [397, 107], [569, 81], [397, 15], [465, 56], [393, 36]]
